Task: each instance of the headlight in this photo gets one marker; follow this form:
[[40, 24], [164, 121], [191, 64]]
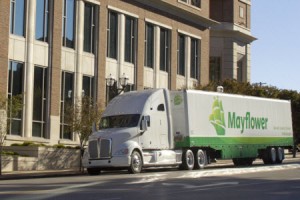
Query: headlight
[[122, 152]]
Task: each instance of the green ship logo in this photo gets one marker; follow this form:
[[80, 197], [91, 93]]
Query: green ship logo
[[217, 117]]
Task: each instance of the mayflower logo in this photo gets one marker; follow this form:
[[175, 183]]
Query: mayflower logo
[[217, 117]]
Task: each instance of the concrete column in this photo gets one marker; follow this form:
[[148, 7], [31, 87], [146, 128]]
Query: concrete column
[[187, 61], [79, 49], [140, 54], [121, 49], [174, 57], [29, 69], [156, 56]]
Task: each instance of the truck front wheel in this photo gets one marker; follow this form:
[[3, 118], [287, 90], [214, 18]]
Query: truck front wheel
[[188, 160], [136, 163]]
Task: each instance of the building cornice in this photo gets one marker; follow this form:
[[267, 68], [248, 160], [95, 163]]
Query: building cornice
[[232, 30], [169, 8]]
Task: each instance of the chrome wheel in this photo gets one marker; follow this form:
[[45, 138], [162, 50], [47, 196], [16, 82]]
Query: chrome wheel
[[200, 159], [136, 163]]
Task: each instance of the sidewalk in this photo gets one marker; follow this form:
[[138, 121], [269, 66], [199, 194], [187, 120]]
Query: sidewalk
[[39, 174]]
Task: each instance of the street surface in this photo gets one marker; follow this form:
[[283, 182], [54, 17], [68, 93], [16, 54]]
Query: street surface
[[220, 181]]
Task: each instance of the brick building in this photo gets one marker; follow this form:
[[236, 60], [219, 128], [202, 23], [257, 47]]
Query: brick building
[[55, 51]]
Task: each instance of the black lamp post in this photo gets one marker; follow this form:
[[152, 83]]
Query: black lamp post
[[115, 88]]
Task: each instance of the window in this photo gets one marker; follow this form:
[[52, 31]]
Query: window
[[215, 69], [149, 45], [194, 58], [90, 16], [17, 17], [39, 102], [112, 34], [130, 32], [241, 12], [68, 23], [65, 101], [15, 87], [240, 70], [42, 20], [196, 3], [164, 49], [87, 86], [181, 55]]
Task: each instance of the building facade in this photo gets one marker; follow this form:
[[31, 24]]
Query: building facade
[[53, 52], [230, 41]]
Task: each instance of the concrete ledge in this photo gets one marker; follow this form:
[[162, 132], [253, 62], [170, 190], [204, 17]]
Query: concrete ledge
[[40, 158]]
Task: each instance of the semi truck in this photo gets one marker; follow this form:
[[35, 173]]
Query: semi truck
[[189, 129]]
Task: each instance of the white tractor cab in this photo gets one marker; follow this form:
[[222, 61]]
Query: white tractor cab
[[135, 132]]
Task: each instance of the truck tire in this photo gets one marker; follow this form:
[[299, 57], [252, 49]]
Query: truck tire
[[188, 160], [136, 163], [93, 171], [270, 156], [200, 159], [279, 155]]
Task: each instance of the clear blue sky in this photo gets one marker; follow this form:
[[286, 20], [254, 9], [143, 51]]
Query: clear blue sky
[[275, 56]]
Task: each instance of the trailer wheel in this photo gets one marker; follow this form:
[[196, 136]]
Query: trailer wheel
[[188, 160], [200, 159], [279, 155], [93, 171], [136, 163], [270, 156]]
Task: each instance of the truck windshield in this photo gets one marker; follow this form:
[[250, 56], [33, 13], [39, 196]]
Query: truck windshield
[[120, 121]]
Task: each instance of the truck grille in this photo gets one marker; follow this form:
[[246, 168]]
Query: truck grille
[[100, 149]]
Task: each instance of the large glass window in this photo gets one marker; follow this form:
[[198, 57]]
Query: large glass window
[[17, 17], [130, 32], [181, 55], [87, 86], [112, 34], [196, 3], [67, 94], [194, 58], [68, 23], [15, 87], [39, 102], [149, 45], [214, 68], [164, 49], [42, 20], [90, 18]]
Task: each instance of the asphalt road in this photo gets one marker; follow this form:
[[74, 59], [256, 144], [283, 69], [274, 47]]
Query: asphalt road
[[222, 181]]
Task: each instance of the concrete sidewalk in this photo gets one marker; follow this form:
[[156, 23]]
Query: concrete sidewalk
[[39, 174]]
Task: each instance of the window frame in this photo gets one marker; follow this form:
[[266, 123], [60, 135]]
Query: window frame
[[195, 58], [65, 42], [90, 29], [45, 21], [149, 45], [65, 135], [14, 19], [11, 92], [112, 52], [164, 60], [181, 55], [44, 101]]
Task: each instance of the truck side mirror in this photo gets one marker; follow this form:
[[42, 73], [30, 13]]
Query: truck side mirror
[[145, 122]]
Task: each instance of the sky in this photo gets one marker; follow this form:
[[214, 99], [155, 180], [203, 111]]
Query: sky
[[275, 55]]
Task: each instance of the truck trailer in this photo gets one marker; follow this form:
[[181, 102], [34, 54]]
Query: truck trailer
[[189, 129]]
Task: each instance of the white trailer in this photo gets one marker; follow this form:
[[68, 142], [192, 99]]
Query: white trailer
[[188, 129]]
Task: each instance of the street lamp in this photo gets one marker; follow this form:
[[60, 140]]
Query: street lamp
[[112, 85]]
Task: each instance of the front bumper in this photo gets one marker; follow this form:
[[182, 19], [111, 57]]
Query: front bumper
[[116, 161]]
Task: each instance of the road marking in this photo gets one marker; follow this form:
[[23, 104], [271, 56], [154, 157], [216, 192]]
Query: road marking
[[188, 186], [46, 194]]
